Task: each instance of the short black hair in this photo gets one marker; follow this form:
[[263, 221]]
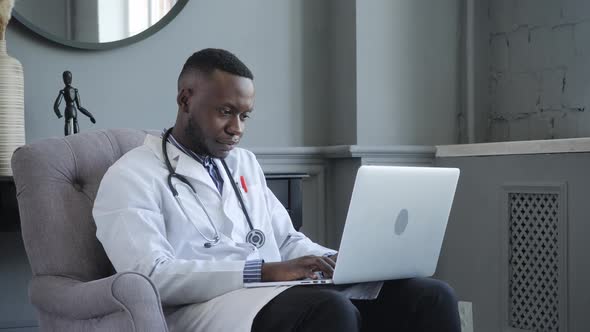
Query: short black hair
[[209, 59]]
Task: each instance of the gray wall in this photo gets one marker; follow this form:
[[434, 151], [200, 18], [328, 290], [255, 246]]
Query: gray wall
[[407, 71], [324, 71], [537, 75], [284, 43], [342, 110], [481, 70]]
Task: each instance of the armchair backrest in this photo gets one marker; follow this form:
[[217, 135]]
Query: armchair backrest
[[56, 183]]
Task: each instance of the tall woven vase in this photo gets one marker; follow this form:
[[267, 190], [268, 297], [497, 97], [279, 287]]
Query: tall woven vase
[[12, 108]]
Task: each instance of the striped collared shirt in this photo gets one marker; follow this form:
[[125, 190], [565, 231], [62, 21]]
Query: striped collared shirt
[[204, 160], [252, 268]]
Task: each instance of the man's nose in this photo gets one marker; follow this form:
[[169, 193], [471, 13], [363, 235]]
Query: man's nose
[[236, 126]]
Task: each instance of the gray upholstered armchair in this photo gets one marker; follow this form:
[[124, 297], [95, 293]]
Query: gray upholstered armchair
[[74, 287]]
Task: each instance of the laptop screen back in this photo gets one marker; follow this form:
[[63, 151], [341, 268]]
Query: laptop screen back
[[396, 222]]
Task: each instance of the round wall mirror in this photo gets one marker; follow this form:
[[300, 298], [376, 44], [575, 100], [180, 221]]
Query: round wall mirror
[[96, 24]]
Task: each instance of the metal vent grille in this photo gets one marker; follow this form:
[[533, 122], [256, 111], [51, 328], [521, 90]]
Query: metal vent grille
[[534, 261]]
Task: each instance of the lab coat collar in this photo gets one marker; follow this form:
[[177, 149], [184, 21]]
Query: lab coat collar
[[184, 164]]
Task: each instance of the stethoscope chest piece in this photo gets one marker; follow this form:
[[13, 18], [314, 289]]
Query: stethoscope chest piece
[[256, 238]]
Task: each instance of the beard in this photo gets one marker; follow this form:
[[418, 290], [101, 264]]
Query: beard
[[195, 135]]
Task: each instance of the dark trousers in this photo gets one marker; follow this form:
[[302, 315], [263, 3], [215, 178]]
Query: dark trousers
[[418, 304]]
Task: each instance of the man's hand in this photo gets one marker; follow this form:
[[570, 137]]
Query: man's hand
[[298, 268], [92, 119]]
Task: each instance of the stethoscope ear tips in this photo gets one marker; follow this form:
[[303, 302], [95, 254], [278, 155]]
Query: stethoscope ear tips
[[207, 245]]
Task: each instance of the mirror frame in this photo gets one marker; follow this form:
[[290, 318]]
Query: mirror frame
[[108, 45]]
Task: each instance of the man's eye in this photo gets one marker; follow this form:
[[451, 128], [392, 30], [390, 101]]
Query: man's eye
[[225, 111], [245, 116]]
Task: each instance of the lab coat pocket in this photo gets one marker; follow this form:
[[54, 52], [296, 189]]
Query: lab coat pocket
[[252, 197], [256, 204]]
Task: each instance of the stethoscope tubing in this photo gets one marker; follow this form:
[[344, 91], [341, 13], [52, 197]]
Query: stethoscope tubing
[[216, 237], [238, 194], [172, 174]]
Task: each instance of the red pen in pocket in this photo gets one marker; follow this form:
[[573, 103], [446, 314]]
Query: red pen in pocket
[[244, 186]]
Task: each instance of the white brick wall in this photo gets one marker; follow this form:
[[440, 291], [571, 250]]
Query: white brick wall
[[499, 58], [562, 48], [519, 50], [552, 83], [539, 71], [582, 39], [501, 12], [536, 12], [583, 124], [541, 41], [575, 10]]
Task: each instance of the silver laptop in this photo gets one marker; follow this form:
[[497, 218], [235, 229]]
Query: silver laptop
[[395, 225]]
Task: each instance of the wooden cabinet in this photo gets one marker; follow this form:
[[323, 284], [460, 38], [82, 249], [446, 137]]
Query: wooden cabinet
[[9, 218], [287, 188]]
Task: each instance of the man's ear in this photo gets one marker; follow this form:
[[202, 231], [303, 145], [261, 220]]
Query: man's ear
[[182, 99]]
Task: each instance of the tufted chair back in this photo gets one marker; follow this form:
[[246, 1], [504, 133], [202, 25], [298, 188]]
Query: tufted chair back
[[56, 183]]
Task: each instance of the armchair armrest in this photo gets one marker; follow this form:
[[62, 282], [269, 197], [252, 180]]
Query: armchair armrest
[[127, 292]]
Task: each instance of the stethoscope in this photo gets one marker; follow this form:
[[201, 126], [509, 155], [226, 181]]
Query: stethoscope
[[255, 236]]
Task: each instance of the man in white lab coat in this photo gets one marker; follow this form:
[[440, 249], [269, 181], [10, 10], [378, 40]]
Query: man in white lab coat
[[193, 212]]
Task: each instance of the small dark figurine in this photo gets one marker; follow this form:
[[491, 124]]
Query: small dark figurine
[[71, 96]]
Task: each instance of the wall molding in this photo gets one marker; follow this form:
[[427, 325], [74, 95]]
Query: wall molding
[[569, 145], [404, 154], [328, 168]]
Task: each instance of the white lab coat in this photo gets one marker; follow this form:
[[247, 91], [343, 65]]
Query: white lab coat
[[143, 229]]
